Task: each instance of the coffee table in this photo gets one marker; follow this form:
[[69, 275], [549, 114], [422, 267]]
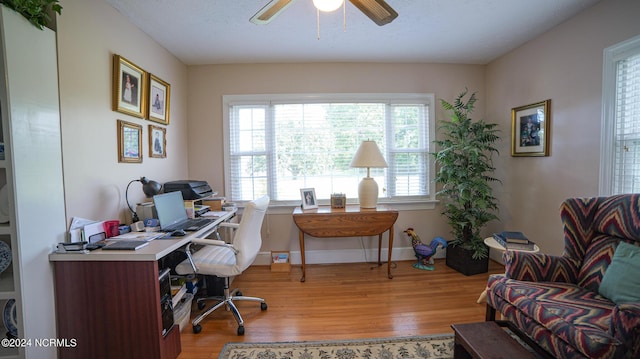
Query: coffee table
[[489, 340]]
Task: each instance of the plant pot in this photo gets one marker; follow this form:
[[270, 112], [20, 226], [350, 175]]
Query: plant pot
[[461, 260]]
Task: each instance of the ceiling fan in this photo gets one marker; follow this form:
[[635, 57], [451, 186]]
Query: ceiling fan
[[377, 10]]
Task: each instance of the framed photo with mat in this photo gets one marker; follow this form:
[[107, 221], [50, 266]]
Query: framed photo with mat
[[530, 129]]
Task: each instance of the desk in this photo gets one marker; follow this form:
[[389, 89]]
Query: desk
[[352, 221], [109, 302]]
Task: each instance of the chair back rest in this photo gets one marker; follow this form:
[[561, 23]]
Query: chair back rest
[[247, 238], [593, 229]]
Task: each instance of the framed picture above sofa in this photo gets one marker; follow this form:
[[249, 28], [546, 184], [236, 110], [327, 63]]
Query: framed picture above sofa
[[530, 129]]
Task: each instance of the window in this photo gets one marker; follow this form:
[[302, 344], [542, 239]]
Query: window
[[620, 157], [277, 144]]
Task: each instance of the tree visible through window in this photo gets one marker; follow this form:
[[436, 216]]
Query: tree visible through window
[[278, 145]]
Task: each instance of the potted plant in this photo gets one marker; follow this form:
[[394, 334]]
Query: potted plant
[[38, 12], [464, 157]]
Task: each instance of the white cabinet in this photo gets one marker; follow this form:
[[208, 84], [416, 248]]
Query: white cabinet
[[31, 173]]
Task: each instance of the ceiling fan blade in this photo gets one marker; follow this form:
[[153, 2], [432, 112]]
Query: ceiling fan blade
[[270, 11], [377, 10]]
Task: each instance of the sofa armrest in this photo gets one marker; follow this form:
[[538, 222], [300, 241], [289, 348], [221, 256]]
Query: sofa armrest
[[625, 326], [539, 267]]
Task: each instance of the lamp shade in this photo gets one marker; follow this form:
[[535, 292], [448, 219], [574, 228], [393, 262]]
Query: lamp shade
[[368, 155], [150, 187]]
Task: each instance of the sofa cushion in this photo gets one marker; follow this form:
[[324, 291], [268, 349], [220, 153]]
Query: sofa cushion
[[571, 313], [597, 257], [617, 216], [621, 282]]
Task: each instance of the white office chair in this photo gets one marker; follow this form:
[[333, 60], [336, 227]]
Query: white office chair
[[228, 260]]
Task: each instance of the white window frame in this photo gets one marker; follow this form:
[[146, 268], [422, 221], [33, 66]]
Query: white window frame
[[612, 55], [421, 202]]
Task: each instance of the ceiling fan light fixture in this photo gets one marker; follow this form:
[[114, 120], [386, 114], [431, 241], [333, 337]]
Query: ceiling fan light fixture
[[327, 5], [377, 10], [270, 11]]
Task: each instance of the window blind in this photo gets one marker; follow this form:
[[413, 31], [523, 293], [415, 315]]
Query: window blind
[[288, 144], [626, 172]]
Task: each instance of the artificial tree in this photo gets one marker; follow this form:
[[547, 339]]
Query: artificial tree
[[464, 157]]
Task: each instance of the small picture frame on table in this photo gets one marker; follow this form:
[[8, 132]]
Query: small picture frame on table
[[338, 200], [530, 129], [129, 142], [308, 198]]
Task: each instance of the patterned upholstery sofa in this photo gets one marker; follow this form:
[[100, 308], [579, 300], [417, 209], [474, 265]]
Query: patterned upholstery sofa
[[558, 301]]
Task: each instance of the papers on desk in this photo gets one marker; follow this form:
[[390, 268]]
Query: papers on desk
[[141, 236], [214, 214], [76, 228]]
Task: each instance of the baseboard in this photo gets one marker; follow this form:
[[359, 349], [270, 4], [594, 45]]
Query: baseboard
[[345, 256]]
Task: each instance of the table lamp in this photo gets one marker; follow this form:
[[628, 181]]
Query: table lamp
[[149, 187], [367, 156]]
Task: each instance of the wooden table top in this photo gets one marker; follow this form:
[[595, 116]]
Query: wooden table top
[[344, 222]]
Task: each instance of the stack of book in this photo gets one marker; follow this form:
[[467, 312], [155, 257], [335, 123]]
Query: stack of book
[[516, 241]]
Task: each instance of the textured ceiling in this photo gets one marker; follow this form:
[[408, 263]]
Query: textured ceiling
[[446, 31]]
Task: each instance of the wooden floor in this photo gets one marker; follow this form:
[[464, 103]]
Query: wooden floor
[[343, 301]]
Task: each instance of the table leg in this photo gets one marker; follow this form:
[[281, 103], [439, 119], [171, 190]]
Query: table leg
[[390, 250], [301, 238], [379, 248]]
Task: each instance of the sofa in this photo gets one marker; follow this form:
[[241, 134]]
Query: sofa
[[586, 302]]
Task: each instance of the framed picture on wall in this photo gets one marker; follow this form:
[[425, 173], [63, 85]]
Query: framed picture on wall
[[129, 87], [530, 132], [129, 142], [159, 100], [157, 142], [308, 198]]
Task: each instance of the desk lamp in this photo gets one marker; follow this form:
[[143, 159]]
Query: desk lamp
[[149, 187], [367, 156]]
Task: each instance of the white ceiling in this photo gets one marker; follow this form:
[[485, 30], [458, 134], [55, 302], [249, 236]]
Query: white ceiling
[[446, 31]]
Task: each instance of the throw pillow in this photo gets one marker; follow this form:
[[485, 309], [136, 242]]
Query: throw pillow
[[621, 282]]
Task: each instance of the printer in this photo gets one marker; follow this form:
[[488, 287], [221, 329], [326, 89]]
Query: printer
[[190, 189]]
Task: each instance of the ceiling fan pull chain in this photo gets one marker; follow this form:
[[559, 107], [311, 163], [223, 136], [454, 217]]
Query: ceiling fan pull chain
[[318, 20], [344, 16]]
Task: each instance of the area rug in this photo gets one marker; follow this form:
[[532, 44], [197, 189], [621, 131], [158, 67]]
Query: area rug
[[433, 346]]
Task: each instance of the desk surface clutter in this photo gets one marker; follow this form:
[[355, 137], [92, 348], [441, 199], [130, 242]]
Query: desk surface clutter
[[156, 248]]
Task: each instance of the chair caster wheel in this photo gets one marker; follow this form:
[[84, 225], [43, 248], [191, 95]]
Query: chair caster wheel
[[201, 305], [263, 306], [239, 293], [197, 329], [241, 330]]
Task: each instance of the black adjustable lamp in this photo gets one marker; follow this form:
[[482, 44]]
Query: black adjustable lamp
[[149, 187]]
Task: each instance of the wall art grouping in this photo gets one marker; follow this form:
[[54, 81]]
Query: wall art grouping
[[143, 95]]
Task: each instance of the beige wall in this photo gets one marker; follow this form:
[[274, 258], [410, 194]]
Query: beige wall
[[207, 85], [89, 33], [564, 65]]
